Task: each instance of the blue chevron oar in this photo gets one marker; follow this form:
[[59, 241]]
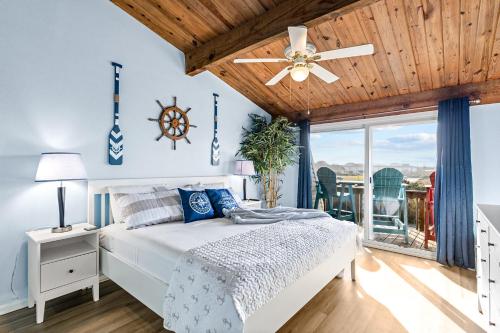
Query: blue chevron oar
[[115, 136], [215, 141]]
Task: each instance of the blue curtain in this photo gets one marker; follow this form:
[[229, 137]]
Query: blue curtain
[[453, 189], [304, 192]]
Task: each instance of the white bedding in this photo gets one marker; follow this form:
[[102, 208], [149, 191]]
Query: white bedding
[[155, 249]]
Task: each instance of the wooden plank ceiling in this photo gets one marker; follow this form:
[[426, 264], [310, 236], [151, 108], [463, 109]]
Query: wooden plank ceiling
[[420, 45]]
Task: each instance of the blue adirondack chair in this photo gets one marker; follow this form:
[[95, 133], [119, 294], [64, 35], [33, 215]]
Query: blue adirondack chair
[[389, 198], [326, 190]]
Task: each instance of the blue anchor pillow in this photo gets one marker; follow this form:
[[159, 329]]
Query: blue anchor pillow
[[196, 205], [221, 199]]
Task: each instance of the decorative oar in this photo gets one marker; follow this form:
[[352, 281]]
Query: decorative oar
[[115, 136], [215, 141]]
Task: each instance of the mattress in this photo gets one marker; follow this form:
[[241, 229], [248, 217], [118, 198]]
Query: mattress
[[155, 249]]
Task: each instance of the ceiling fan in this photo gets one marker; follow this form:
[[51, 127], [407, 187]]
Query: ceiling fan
[[303, 57]]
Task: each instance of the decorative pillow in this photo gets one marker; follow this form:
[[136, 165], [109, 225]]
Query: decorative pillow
[[235, 195], [221, 199], [142, 209], [127, 189], [196, 205]]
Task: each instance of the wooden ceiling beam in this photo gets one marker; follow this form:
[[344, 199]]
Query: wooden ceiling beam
[[266, 28], [488, 92]]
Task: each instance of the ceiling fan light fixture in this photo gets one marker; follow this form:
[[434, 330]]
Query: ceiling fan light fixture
[[299, 73]]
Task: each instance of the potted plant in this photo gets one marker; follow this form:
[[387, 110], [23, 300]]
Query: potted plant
[[271, 145]]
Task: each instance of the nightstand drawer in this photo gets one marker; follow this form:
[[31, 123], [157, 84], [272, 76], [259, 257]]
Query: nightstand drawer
[[67, 271]]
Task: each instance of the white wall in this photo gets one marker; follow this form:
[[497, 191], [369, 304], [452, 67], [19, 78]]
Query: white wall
[[485, 146], [56, 86]]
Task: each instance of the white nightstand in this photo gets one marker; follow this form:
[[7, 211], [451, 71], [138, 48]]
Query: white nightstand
[[60, 263], [251, 204]]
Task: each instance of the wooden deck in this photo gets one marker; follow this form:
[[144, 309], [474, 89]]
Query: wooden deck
[[416, 240]]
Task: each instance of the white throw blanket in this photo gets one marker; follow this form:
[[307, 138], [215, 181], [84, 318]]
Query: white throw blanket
[[217, 286], [272, 215]]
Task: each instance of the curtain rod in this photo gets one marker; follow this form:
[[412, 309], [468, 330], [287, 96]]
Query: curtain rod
[[475, 101]]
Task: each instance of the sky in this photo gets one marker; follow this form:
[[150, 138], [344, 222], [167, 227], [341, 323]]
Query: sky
[[414, 144]]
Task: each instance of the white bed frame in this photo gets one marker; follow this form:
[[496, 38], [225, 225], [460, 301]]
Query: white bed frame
[[150, 290]]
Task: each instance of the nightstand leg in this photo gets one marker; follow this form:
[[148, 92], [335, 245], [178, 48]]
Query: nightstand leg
[[40, 309], [31, 300], [95, 291]]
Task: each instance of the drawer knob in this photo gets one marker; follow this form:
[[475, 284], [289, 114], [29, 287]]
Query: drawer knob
[[491, 244], [484, 296], [71, 270], [483, 230], [492, 324], [491, 281], [483, 260], [477, 221]]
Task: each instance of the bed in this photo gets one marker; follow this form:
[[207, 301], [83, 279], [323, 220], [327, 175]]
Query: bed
[[141, 261]]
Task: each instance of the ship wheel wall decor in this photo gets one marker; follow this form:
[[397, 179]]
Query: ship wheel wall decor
[[174, 123]]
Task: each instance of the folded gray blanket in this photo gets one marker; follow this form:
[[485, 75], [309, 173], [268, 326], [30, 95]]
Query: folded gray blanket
[[272, 215]]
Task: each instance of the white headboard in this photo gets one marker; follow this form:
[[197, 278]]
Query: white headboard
[[99, 211]]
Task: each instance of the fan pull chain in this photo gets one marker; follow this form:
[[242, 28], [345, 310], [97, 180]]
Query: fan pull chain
[[308, 93], [290, 88]]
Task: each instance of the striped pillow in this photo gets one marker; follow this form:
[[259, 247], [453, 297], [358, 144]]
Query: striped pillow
[[115, 209], [143, 209]]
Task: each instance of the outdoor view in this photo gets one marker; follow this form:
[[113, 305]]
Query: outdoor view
[[409, 150]]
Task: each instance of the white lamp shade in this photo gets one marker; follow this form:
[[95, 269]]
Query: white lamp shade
[[244, 168], [60, 166]]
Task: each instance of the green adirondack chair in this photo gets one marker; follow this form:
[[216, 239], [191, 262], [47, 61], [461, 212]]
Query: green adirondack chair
[[389, 198], [326, 189]]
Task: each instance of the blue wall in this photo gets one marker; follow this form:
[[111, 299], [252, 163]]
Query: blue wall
[[56, 95]]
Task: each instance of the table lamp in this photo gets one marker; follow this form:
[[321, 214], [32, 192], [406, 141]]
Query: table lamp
[[244, 168], [60, 167]]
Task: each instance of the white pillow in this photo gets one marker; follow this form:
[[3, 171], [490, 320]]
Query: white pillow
[[143, 209], [115, 210]]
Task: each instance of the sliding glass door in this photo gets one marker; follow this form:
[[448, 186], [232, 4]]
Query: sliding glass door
[[377, 173], [403, 158]]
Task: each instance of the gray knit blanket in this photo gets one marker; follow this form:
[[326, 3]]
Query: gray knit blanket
[[217, 286], [272, 215]]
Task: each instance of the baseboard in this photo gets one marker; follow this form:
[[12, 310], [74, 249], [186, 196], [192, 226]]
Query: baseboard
[[13, 306]]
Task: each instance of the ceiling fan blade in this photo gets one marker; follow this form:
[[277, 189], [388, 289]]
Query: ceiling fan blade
[[347, 52], [323, 74], [277, 78], [242, 61], [298, 38]]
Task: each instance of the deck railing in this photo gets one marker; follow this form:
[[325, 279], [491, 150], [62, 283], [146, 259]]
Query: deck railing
[[415, 200]]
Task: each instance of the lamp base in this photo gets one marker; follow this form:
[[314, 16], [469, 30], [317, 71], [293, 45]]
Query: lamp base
[[62, 229]]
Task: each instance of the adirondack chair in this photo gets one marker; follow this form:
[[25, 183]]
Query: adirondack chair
[[429, 230], [389, 197], [326, 190]]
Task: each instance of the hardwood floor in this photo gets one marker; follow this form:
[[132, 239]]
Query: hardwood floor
[[393, 293]]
